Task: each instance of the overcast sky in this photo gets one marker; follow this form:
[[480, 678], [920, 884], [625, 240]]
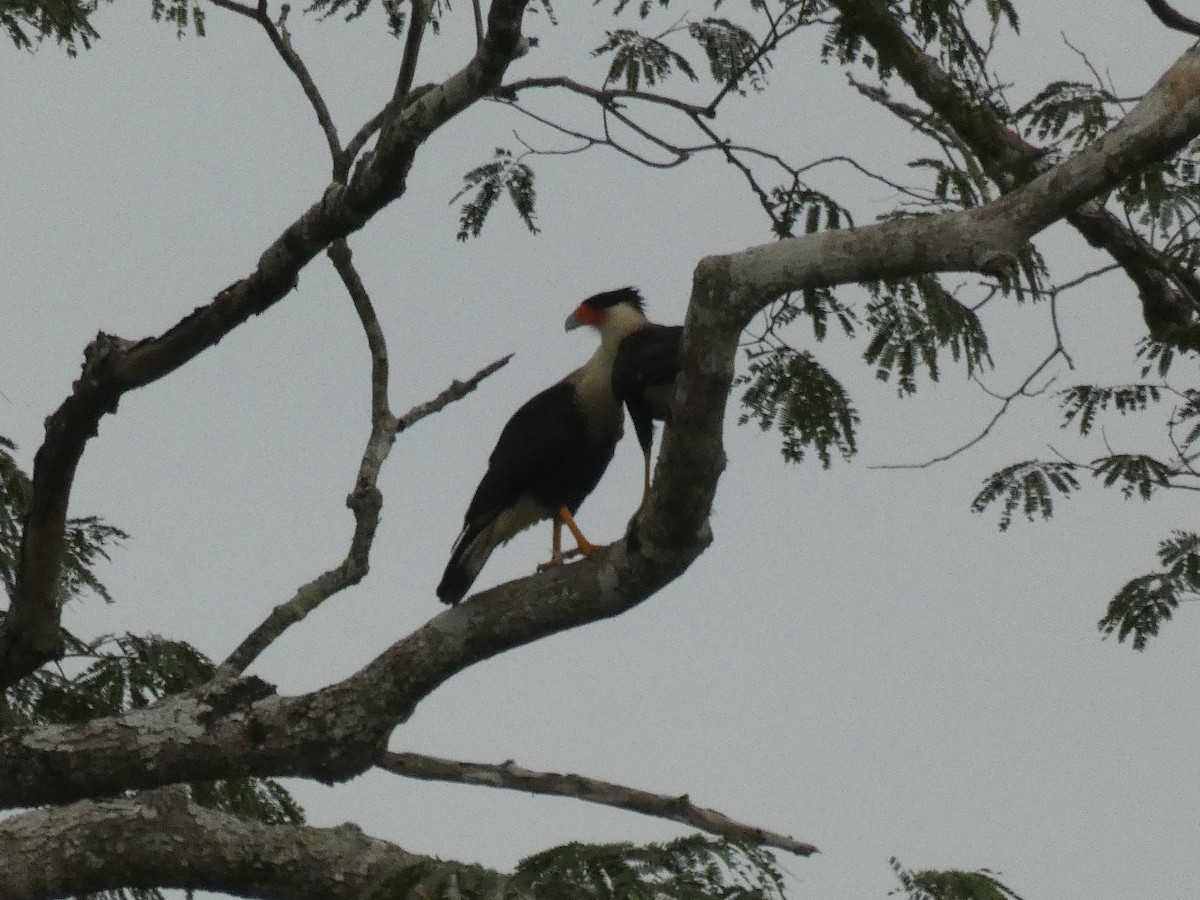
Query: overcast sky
[[858, 660]]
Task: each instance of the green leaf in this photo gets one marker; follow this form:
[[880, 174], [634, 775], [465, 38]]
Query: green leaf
[[1136, 473], [1084, 401], [913, 319], [690, 868], [1029, 486], [503, 175], [731, 51], [66, 22], [637, 58], [792, 391], [951, 884], [1139, 609]]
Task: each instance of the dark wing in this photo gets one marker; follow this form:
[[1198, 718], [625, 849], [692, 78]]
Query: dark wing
[[644, 370], [546, 452]]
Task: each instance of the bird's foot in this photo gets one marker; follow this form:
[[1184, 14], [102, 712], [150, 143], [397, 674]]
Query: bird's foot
[[585, 549]]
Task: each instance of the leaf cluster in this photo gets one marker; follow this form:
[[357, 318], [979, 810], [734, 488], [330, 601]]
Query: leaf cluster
[[790, 390], [504, 174], [66, 22], [1083, 402], [1141, 606], [950, 884], [797, 200], [181, 14], [690, 868], [913, 320], [939, 27], [1066, 114], [1030, 486]]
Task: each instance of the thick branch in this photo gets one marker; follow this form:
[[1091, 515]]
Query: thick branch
[[240, 727], [112, 366], [509, 775], [161, 840]]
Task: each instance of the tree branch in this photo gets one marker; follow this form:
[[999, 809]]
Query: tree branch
[[162, 840], [509, 775], [29, 634]]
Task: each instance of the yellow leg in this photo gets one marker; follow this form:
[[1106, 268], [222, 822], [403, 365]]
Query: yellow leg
[[585, 546], [556, 556]]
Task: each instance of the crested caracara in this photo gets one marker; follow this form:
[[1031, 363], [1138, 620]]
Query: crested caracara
[[643, 378], [551, 453]]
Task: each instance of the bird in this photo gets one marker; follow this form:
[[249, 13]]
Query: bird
[[552, 452], [643, 378]]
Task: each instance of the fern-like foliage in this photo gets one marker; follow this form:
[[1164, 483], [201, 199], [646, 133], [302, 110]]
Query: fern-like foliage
[[821, 303], [1134, 473], [185, 15], [637, 57], [912, 320], [66, 22], [790, 390], [1083, 402], [1029, 486], [953, 186], [1066, 113], [505, 174], [690, 868], [950, 884], [817, 209], [1139, 608], [732, 53]]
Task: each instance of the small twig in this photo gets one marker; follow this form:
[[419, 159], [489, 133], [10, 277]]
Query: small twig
[[511, 776], [1006, 401], [283, 45], [456, 391]]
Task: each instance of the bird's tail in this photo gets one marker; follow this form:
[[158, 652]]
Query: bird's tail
[[467, 557]]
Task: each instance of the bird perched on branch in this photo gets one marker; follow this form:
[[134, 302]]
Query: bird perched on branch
[[552, 452], [643, 378]]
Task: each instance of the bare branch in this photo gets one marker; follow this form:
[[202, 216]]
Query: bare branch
[[283, 45], [365, 501], [509, 775], [1172, 19]]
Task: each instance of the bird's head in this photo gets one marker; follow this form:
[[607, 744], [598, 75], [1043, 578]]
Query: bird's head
[[622, 309]]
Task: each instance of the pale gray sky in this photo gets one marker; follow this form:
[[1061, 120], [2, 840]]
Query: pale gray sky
[[858, 660]]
